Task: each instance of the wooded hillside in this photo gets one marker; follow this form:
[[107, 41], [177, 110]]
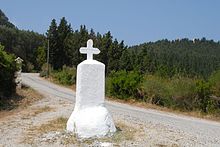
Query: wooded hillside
[[198, 57], [22, 43]]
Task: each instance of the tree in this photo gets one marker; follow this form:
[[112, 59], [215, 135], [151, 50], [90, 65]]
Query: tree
[[182, 57], [20, 42], [105, 47], [52, 35], [67, 43], [82, 37], [61, 55], [41, 57], [7, 73], [4, 20], [126, 61], [114, 55]]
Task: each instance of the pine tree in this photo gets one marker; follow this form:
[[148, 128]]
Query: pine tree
[[106, 47], [64, 30], [114, 55], [52, 35], [41, 57], [126, 61]]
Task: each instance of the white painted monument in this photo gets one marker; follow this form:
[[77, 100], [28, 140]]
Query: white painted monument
[[90, 118], [18, 79]]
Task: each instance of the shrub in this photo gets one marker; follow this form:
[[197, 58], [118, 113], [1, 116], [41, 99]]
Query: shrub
[[215, 83], [44, 70], [176, 92], [183, 92], [7, 73], [29, 67], [204, 100], [123, 84], [67, 76], [156, 90]]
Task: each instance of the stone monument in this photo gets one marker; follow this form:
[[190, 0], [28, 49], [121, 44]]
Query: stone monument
[[18, 79], [90, 118]]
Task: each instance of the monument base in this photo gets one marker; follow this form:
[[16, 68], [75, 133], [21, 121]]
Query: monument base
[[91, 122]]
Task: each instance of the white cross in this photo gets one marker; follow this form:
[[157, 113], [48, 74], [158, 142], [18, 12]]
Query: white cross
[[89, 50]]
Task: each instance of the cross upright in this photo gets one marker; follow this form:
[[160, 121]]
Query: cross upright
[[89, 50]]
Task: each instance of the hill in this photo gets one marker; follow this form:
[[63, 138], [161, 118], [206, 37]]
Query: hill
[[22, 43], [198, 57], [4, 20]]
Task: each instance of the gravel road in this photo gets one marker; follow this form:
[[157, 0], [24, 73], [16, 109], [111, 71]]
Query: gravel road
[[160, 128]]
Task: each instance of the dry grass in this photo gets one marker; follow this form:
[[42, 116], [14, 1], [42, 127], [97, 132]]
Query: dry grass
[[58, 124], [35, 111], [124, 133], [51, 79], [29, 96], [142, 104], [162, 145], [24, 97], [42, 110]]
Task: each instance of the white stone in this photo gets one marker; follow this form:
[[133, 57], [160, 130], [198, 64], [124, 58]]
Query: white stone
[[90, 118], [18, 79]]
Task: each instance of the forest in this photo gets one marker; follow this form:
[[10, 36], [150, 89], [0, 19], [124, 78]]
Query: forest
[[198, 57], [179, 73]]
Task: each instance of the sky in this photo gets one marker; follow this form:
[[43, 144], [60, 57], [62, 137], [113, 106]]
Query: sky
[[134, 21]]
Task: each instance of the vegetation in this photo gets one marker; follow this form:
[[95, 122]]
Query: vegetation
[[65, 44], [66, 76], [124, 84], [7, 73], [4, 20], [180, 74], [182, 93], [21, 43], [198, 57], [215, 83], [23, 98], [124, 132], [172, 74]]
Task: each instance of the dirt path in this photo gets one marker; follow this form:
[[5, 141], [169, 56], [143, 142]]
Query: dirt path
[[14, 127], [153, 128]]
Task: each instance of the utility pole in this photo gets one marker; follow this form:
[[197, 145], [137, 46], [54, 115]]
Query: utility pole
[[48, 51]]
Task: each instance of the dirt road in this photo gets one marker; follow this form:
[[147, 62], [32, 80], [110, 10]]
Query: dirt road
[[203, 131]]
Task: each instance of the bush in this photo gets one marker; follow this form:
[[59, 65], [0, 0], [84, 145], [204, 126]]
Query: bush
[[123, 84], [176, 92], [44, 70], [183, 92], [215, 83], [67, 76], [7, 73], [204, 100], [28, 66], [156, 90]]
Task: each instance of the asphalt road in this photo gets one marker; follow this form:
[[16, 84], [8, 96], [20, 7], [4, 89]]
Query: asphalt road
[[205, 131]]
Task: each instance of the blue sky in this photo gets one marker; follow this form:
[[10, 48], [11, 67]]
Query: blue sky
[[134, 21]]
